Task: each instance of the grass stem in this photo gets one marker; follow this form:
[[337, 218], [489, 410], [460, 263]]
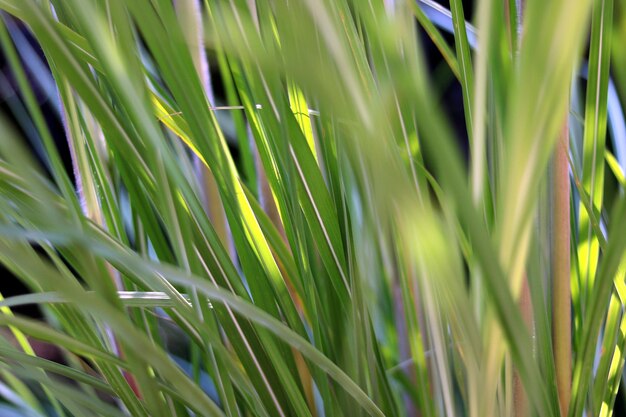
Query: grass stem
[[561, 292]]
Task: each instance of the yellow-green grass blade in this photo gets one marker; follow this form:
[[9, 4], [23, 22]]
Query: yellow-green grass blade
[[612, 343], [531, 130], [595, 314], [594, 144]]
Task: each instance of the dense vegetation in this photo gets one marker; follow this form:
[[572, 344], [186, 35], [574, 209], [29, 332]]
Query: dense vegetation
[[320, 242]]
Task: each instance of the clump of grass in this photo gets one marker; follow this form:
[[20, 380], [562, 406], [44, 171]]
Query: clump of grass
[[347, 261]]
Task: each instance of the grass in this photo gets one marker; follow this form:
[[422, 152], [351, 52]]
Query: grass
[[348, 259]]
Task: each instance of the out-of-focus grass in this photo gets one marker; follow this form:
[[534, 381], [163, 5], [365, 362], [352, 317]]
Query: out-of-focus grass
[[351, 263]]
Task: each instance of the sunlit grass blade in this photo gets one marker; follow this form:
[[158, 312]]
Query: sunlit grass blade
[[594, 137], [595, 314]]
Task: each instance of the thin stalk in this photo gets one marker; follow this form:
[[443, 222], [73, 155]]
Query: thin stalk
[[85, 189], [561, 291], [485, 28], [190, 17], [521, 407], [269, 206], [520, 400]]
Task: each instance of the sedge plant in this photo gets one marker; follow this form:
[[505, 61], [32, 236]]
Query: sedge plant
[[349, 259]]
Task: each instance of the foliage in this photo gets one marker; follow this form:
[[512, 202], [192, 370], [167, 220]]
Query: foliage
[[350, 260]]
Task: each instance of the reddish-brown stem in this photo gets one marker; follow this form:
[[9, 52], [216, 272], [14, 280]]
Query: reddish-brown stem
[[520, 401], [561, 290]]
